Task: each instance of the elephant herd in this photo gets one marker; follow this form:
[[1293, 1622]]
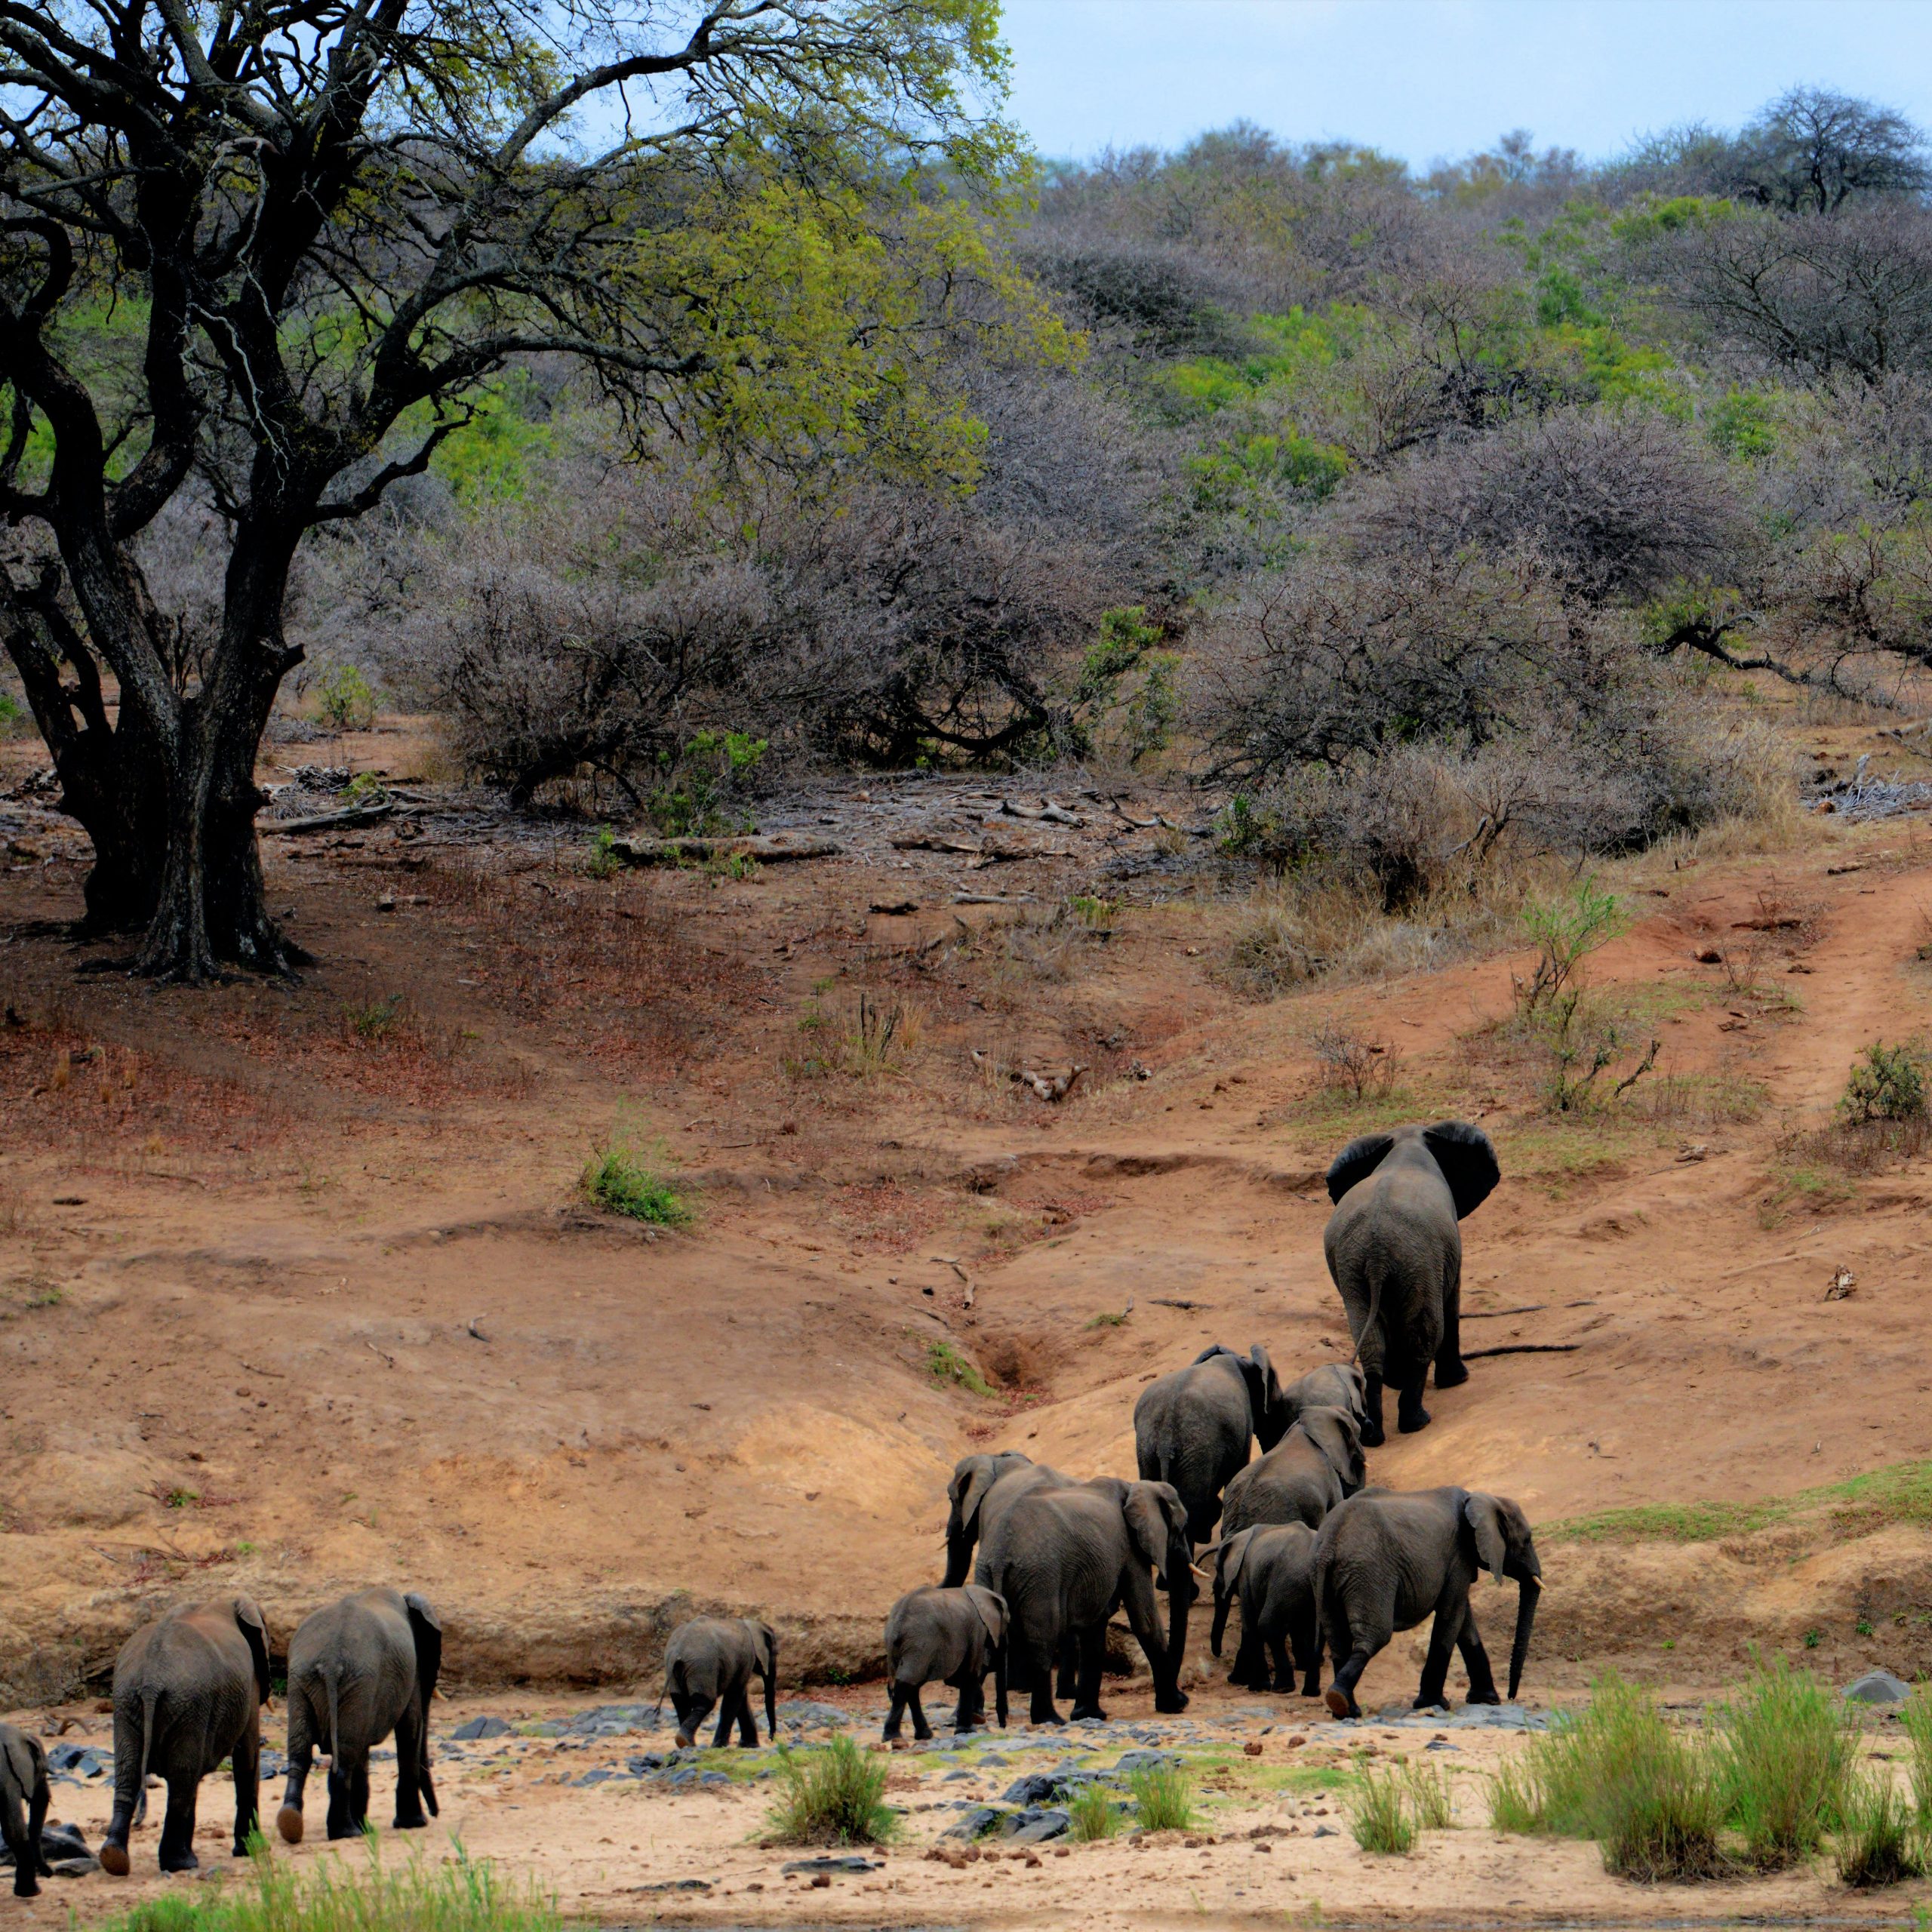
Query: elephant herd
[[1036, 1563], [1313, 1557]]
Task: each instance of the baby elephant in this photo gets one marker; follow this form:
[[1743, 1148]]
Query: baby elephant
[[188, 1692], [935, 1634], [1271, 1569], [364, 1667], [23, 1800], [711, 1661]]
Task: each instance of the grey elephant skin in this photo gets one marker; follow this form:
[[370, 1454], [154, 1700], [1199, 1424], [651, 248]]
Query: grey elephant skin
[[711, 1661], [1394, 1250], [364, 1666], [1335, 1385], [975, 1479], [937, 1635], [1063, 1558], [1195, 1428], [24, 1796], [1270, 1569], [1387, 1558], [188, 1692], [1313, 1468]]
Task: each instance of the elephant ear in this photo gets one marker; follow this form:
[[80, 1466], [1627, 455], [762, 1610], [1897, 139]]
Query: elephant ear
[[1357, 1161], [764, 1641], [1330, 1430], [1147, 1524], [974, 1477], [1210, 1351], [1468, 1161], [1484, 1514], [990, 1607], [1269, 1405], [428, 1633], [248, 1618], [1227, 1565]]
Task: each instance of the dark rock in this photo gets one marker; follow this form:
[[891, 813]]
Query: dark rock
[[484, 1727], [850, 1862], [798, 1711], [1878, 1687], [675, 1885], [1324, 1831], [603, 1774], [978, 1821], [1145, 1761], [1440, 1744], [953, 1777], [1034, 1825]]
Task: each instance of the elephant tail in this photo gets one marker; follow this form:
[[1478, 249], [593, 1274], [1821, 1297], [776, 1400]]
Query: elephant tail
[[1377, 1273], [332, 1678], [150, 1696]]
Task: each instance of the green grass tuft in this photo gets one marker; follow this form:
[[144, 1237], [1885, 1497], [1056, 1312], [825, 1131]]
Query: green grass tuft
[[1900, 1494], [834, 1796], [615, 1179], [1876, 1843], [1163, 1797], [1092, 1813], [1783, 1753], [1379, 1816], [342, 1893], [1916, 1719], [944, 1363], [1430, 1797], [1513, 1800]]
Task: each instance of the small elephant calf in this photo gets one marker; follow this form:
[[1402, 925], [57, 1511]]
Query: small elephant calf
[[1304, 1476], [711, 1661], [23, 1802], [1270, 1569], [947, 1636]]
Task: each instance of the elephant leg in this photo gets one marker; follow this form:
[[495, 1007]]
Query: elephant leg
[[1041, 1657], [747, 1724], [1475, 1659], [1069, 1664], [1410, 1415], [697, 1708], [1450, 1372], [1355, 1640], [177, 1828], [972, 1704], [409, 1816], [301, 1762], [246, 1760], [896, 1715], [1304, 1633], [1283, 1679], [342, 1807], [1373, 1436], [359, 1796], [920, 1729], [1442, 1633], [1093, 1645], [728, 1715], [25, 1851], [1250, 1666]]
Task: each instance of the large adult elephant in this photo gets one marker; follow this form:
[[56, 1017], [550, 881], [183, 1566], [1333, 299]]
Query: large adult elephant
[[974, 1480], [1194, 1428], [360, 1668], [712, 1660], [1395, 1249], [937, 1635], [188, 1692], [1313, 1467], [24, 1797], [1064, 1558], [1387, 1558]]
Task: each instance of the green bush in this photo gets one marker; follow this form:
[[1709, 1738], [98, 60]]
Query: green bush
[[834, 1796], [1783, 1753], [1567, 929], [1092, 1813], [1430, 1798], [1163, 1797], [615, 1179], [345, 699], [1380, 1816], [944, 1363], [1614, 1773], [1876, 1843], [1513, 1803], [335, 1894], [1887, 1083], [698, 783]]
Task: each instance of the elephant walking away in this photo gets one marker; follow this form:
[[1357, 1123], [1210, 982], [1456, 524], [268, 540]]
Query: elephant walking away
[[1335, 1385], [935, 1634], [1387, 1558], [1270, 1570], [1063, 1558], [1312, 1468], [188, 1692], [711, 1661], [1394, 1250], [1194, 1428], [24, 1797], [363, 1667]]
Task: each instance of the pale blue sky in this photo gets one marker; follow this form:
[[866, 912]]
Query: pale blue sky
[[1426, 79]]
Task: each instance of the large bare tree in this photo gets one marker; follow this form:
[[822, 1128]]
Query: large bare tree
[[270, 252]]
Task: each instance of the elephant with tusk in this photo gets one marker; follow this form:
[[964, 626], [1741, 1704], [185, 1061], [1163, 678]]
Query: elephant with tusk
[[1386, 1559]]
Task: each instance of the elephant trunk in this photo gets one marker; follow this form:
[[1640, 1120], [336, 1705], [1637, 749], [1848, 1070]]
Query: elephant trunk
[[771, 1703], [1223, 1602], [1180, 1594], [1526, 1617], [959, 1553], [1000, 1652]]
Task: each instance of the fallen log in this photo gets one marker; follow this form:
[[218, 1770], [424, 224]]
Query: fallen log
[[768, 848], [350, 815], [1524, 1349]]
